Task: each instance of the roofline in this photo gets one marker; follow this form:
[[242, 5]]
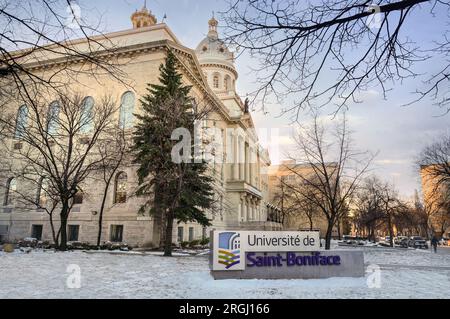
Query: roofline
[[106, 36]]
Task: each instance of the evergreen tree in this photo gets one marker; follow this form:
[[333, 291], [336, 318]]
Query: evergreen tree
[[175, 191]]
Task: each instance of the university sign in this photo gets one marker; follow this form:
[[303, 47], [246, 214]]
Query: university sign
[[279, 255]]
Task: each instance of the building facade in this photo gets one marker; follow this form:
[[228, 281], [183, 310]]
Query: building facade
[[294, 217], [436, 198], [239, 167]]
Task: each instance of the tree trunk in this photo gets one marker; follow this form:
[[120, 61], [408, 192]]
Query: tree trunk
[[100, 217], [162, 228], [339, 228], [159, 225], [328, 235], [311, 226], [168, 235], [63, 227], [52, 227], [391, 231]]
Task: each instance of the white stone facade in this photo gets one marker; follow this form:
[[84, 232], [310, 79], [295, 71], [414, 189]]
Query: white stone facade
[[242, 181]]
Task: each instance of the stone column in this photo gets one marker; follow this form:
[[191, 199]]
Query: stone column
[[241, 159], [258, 171], [240, 210], [253, 209], [247, 163], [235, 149], [251, 174], [258, 211], [244, 209]]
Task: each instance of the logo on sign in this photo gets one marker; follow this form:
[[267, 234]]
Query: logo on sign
[[229, 249]]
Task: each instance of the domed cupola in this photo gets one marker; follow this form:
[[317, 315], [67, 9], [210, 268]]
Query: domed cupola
[[143, 18], [216, 60]]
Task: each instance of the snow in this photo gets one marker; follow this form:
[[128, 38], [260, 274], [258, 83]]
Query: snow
[[43, 274]]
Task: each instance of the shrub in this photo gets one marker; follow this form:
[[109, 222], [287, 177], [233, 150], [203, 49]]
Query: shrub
[[204, 241], [194, 243], [184, 244]]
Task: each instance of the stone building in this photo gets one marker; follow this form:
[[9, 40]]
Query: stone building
[[436, 198], [287, 173], [242, 185]]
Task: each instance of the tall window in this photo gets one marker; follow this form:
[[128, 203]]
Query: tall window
[[73, 232], [53, 118], [227, 83], [116, 234], [120, 190], [180, 236], [126, 110], [78, 198], [11, 188], [36, 231], [87, 121], [42, 195], [216, 81], [21, 122]]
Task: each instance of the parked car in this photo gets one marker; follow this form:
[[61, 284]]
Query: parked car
[[353, 240], [444, 242], [417, 242], [401, 241], [385, 241]]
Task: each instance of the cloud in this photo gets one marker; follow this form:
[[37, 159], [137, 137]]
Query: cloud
[[392, 162]]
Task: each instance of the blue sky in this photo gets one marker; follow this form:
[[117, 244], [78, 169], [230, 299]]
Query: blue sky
[[385, 126]]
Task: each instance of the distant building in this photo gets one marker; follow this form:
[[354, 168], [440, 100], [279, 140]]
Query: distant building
[[437, 201], [295, 218]]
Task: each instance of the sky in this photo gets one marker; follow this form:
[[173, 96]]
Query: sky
[[397, 133]]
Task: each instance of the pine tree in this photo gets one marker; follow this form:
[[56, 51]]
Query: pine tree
[[182, 191]]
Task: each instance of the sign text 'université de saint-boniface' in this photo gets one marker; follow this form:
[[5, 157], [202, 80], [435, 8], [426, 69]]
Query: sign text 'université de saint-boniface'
[[279, 255]]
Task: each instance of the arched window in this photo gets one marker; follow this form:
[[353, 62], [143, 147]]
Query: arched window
[[21, 122], [53, 118], [227, 83], [120, 189], [87, 121], [42, 195], [11, 188], [78, 198], [126, 110], [216, 81]]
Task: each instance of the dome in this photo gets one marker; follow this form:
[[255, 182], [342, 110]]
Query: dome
[[143, 18], [212, 50]]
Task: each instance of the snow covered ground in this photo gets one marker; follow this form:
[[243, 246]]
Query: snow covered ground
[[404, 274]]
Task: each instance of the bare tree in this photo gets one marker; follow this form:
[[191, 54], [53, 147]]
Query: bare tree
[[113, 151], [34, 33], [434, 161], [436, 212], [378, 207], [58, 142], [293, 204], [306, 207], [336, 170], [367, 214], [390, 206], [284, 198], [36, 193], [329, 51]]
